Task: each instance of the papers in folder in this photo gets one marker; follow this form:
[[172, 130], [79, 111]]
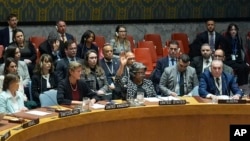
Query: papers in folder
[[37, 113], [157, 99]]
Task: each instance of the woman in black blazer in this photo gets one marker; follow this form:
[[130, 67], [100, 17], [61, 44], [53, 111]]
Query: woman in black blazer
[[72, 89], [44, 77]]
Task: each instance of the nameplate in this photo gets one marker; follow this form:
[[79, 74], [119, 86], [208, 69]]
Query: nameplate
[[232, 101], [116, 106], [5, 136], [173, 102], [69, 113], [31, 123]]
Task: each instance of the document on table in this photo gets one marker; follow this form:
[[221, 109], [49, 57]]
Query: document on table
[[38, 113], [98, 106], [169, 98], [152, 99]]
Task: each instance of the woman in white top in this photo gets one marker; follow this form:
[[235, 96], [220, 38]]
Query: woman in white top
[[11, 100]]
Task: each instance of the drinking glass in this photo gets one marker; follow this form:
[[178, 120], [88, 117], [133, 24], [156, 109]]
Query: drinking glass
[[140, 97], [85, 104]]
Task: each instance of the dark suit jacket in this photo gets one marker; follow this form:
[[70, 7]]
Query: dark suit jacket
[[69, 37], [160, 66], [207, 84], [64, 91], [116, 64], [62, 67], [39, 85], [197, 64], [82, 49], [46, 48], [4, 37], [195, 47]]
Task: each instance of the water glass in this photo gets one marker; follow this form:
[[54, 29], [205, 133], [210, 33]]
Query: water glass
[[214, 99], [140, 97], [85, 103]]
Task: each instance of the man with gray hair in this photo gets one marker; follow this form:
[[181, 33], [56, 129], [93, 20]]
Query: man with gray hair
[[180, 79], [215, 82]]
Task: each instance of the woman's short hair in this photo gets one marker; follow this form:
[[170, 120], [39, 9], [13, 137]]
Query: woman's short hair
[[39, 65], [86, 57], [73, 66], [8, 79], [7, 63], [135, 67]]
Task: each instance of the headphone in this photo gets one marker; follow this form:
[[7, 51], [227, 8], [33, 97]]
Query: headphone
[[41, 64], [116, 34]]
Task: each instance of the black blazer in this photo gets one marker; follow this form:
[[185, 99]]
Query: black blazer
[[115, 63], [160, 66], [195, 47], [45, 48], [197, 64], [64, 91], [39, 85], [4, 37], [82, 50], [62, 67]]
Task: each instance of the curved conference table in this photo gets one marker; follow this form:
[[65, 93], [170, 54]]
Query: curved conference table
[[191, 122]]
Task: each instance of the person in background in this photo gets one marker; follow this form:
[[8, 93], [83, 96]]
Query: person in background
[[215, 82], [236, 57], [120, 43], [44, 78], [6, 34], [72, 89], [180, 79], [53, 46], [124, 68], [11, 100], [27, 50], [61, 30], [167, 61], [136, 82], [86, 44]]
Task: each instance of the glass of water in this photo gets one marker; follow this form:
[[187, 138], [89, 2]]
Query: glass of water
[[85, 104], [140, 97]]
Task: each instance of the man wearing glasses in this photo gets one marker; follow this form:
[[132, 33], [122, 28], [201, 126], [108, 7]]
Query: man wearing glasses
[[170, 60], [179, 80]]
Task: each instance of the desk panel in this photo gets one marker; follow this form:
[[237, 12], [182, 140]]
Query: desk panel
[[197, 122]]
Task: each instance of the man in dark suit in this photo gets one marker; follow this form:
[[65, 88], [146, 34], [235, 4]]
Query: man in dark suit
[[167, 61], [62, 65], [110, 65], [215, 82], [204, 61], [53, 46], [61, 29], [210, 36], [6, 34]]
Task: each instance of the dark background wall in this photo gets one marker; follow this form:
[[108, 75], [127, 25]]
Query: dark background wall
[[30, 11]]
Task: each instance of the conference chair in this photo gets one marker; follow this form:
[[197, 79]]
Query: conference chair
[[143, 55], [132, 42], [156, 38], [48, 98], [36, 41], [1, 51], [150, 45], [184, 38], [99, 41]]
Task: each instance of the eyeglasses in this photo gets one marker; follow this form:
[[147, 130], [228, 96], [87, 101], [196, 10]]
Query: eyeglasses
[[131, 58], [218, 56], [174, 49], [123, 31]]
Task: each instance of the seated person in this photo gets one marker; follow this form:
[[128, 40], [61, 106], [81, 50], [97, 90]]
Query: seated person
[[126, 61], [179, 80], [215, 82], [44, 77], [86, 44], [11, 100], [72, 89], [94, 75], [136, 82]]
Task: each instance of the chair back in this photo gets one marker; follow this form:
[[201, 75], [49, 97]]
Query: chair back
[[48, 98], [156, 38], [150, 45], [99, 41], [184, 38], [132, 42]]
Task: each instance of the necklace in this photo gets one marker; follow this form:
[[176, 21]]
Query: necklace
[[73, 89]]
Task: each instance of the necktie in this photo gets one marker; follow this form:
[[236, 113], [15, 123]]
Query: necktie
[[211, 42], [72, 59], [181, 84], [218, 81], [207, 62], [172, 61]]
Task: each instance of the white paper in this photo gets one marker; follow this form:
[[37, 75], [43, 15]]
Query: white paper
[[169, 98], [38, 113], [152, 99], [223, 97], [98, 106]]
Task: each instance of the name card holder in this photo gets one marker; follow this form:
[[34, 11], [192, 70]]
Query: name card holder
[[116, 106], [31, 123], [68, 113], [232, 101], [5, 136], [173, 102]]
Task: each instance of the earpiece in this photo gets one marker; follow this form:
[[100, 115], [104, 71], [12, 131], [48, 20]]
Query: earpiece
[[116, 33], [84, 39], [41, 64]]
